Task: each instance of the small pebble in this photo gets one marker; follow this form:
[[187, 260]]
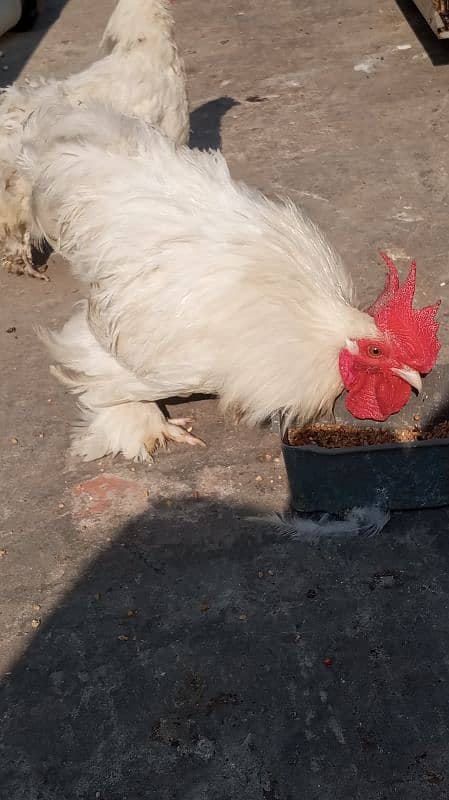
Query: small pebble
[[5, 67], [3, 552], [36, 607], [14, 440], [12, 329], [243, 617], [123, 637], [61, 505], [35, 623], [204, 749], [259, 478]]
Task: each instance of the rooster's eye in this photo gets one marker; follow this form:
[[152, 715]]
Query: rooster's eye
[[374, 351]]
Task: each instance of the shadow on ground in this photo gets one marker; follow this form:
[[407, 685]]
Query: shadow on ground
[[202, 657], [18, 46], [205, 123]]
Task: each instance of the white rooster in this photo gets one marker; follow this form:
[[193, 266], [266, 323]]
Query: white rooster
[[200, 284], [141, 74]]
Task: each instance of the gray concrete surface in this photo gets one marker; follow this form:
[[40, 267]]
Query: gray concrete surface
[[155, 643]]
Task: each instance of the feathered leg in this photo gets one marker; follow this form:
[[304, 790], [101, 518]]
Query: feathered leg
[[135, 429], [117, 414]]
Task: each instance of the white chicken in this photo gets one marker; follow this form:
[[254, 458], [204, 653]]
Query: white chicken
[[200, 284], [141, 74]]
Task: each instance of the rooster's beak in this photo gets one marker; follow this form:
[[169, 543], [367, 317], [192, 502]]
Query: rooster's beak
[[410, 375]]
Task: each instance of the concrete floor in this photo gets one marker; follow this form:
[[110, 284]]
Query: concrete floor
[[155, 643]]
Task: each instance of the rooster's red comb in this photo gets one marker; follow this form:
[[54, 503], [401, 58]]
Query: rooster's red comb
[[413, 332]]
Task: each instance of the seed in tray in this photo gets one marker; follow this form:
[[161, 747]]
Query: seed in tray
[[333, 435]]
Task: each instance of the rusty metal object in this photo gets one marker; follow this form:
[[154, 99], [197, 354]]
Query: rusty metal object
[[436, 14], [442, 8]]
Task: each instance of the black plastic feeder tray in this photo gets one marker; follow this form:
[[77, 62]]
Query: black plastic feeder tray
[[396, 476]]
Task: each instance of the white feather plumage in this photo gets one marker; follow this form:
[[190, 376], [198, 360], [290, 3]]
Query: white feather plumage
[[197, 283], [360, 521], [141, 74]]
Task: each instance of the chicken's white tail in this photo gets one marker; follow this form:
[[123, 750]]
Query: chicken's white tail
[[136, 21], [60, 148], [39, 128], [56, 123]]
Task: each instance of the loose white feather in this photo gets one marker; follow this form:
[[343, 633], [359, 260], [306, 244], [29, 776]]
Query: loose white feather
[[360, 521]]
